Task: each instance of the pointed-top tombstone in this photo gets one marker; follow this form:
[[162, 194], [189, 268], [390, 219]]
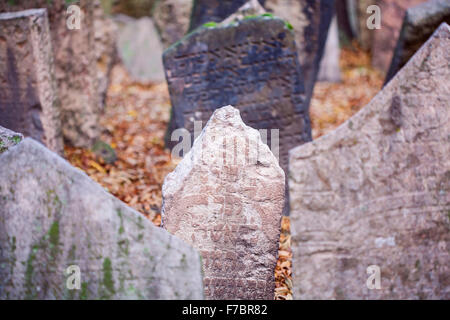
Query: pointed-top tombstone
[[62, 236], [370, 201], [225, 198]]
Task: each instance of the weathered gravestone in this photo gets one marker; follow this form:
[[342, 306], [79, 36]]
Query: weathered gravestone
[[375, 193], [329, 69], [204, 11], [171, 18], [310, 20], [225, 198], [8, 139], [252, 65], [419, 23], [75, 65], [140, 50], [53, 216], [385, 38], [28, 97], [105, 35]]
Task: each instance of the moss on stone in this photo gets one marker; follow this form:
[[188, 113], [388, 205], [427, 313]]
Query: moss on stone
[[108, 280], [210, 24]]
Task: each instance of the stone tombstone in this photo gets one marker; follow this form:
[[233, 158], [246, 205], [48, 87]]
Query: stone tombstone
[[75, 65], [310, 20], [329, 69], [140, 50], [8, 138], [225, 198], [171, 18], [252, 65], [64, 237], [372, 198], [204, 11], [105, 35], [28, 94], [419, 23], [385, 38]]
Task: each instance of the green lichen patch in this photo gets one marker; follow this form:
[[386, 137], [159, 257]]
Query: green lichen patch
[[210, 24], [108, 279]]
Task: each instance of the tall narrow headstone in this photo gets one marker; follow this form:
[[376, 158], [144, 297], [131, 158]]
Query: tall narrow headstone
[[329, 69], [419, 24], [62, 236], [204, 11], [310, 20], [252, 65], [28, 94], [370, 201], [72, 38], [225, 198]]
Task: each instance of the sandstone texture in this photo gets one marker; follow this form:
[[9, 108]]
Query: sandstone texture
[[376, 192], [171, 18], [53, 216], [28, 94], [8, 139], [225, 198]]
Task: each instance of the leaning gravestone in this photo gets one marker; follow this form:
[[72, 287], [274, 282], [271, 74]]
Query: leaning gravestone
[[54, 219], [252, 65], [8, 139], [140, 50], [204, 11], [419, 23], [329, 65], [75, 64], [225, 198], [310, 21], [375, 193], [28, 97]]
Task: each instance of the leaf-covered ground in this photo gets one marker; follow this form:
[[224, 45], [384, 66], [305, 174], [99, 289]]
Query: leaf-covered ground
[[134, 124]]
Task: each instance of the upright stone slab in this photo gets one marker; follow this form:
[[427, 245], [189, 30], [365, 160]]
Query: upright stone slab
[[28, 94], [225, 198], [53, 216], [310, 20], [75, 65], [252, 65], [419, 23], [385, 38], [140, 50], [329, 69], [105, 35], [204, 11], [171, 18], [376, 192], [8, 139]]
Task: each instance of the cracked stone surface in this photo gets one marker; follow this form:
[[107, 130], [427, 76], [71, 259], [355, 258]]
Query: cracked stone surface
[[53, 216], [225, 198], [376, 192]]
